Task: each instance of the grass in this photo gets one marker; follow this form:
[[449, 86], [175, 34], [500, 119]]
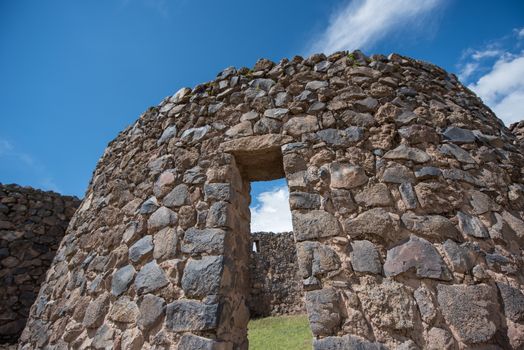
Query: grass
[[280, 333]]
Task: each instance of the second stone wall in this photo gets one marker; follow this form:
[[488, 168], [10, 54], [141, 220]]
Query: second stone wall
[[32, 224], [276, 287]]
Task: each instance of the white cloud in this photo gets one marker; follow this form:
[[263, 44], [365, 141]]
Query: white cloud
[[361, 23], [273, 213], [9, 154], [468, 70], [520, 33], [502, 88]]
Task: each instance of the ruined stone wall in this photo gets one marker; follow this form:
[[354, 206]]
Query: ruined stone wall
[[407, 201], [32, 224], [276, 287]]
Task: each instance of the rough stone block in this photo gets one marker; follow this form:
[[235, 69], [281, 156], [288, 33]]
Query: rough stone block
[[189, 315], [202, 277]]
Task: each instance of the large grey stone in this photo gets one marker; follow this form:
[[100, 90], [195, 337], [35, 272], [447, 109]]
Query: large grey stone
[[262, 84], [408, 153], [315, 259], [457, 256], [408, 195], [374, 222], [418, 254], [150, 278], [472, 226], [189, 315], [122, 278], [161, 218], [103, 338], [323, 308], [470, 311], [151, 309], [168, 133], [377, 195], [276, 113], [316, 85], [178, 196], [398, 174], [149, 206], [202, 277], [389, 305], [124, 310], [218, 215], [459, 135], [481, 202], [433, 226], [347, 176], [303, 200], [314, 224], [346, 342], [425, 304], [141, 248], [459, 153], [165, 243], [194, 342], [96, 311], [365, 257], [218, 192], [209, 241], [513, 300], [428, 172]]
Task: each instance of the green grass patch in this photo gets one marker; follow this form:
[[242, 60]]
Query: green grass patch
[[280, 333]]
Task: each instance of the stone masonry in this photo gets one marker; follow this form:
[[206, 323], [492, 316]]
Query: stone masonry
[[32, 224], [407, 198], [276, 287]]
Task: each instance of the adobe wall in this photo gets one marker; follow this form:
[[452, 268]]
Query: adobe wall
[[276, 287], [32, 224], [407, 201]]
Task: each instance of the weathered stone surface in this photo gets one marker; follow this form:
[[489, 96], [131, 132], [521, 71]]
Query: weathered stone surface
[[374, 222], [193, 342], [470, 311], [168, 133], [149, 206], [408, 153], [178, 197], [389, 305], [457, 256], [103, 338], [165, 243], [418, 254], [316, 259], [346, 342], [482, 203], [365, 257], [459, 153], [425, 304], [315, 85], [303, 200], [375, 196], [323, 307], [141, 248], [122, 278], [189, 315], [428, 172], [219, 215], [439, 338], [472, 226], [96, 311], [210, 241], [161, 218], [431, 226], [297, 126], [202, 277], [408, 195], [151, 309], [218, 192], [398, 174], [347, 176], [459, 135], [314, 224], [124, 310], [150, 278], [513, 300], [418, 133]]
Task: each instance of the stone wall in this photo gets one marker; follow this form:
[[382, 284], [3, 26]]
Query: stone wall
[[407, 199], [32, 224], [276, 287]]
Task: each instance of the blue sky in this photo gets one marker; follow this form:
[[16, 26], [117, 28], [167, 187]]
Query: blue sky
[[74, 73]]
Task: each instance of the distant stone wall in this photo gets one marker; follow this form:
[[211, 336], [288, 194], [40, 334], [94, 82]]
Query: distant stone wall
[[32, 224], [518, 130], [276, 287]]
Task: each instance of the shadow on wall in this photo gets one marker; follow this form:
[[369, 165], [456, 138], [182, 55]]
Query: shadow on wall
[[276, 287]]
